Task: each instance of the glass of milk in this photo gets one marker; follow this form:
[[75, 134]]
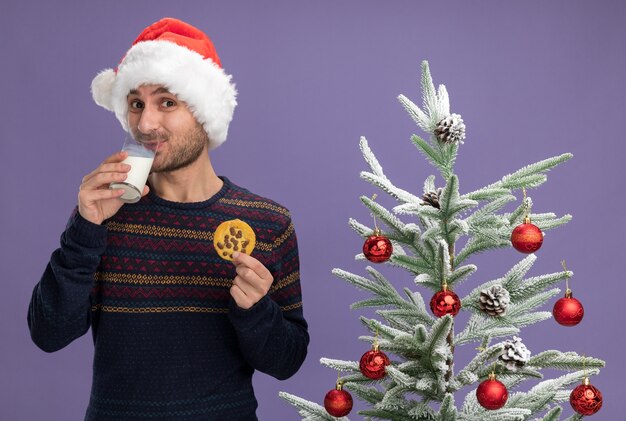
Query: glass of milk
[[140, 157]]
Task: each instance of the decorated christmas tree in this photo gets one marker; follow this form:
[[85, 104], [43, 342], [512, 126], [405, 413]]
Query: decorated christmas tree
[[410, 372]]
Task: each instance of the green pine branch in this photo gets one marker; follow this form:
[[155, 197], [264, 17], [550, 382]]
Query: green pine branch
[[309, 411], [378, 178], [451, 204], [564, 361], [491, 240], [459, 274], [434, 155], [529, 176], [473, 370], [369, 394], [575, 417], [553, 415], [447, 410], [547, 392], [407, 319]]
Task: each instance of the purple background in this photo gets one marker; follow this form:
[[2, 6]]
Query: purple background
[[531, 79]]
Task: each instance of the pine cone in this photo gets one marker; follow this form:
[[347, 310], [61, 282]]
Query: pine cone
[[450, 129], [494, 300], [432, 198], [515, 354]]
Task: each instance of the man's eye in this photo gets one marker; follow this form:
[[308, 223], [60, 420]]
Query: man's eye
[[167, 103], [136, 104]]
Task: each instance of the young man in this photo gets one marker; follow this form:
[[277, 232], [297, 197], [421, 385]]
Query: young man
[[178, 330]]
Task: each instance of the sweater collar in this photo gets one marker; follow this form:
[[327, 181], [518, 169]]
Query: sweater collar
[[151, 196]]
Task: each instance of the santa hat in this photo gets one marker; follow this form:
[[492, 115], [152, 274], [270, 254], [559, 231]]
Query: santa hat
[[181, 58]]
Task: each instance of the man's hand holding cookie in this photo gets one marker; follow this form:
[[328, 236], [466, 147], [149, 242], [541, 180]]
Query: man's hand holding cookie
[[234, 240], [252, 282]]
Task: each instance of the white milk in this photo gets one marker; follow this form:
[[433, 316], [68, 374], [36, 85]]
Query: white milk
[[136, 180]]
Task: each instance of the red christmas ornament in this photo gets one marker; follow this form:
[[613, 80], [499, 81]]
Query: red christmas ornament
[[377, 248], [491, 393], [373, 363], [338, 402], [568, 311], [527, 237], [445, 302], [585, 398]]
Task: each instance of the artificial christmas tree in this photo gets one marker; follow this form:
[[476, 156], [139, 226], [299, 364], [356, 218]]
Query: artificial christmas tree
[[446, 230]]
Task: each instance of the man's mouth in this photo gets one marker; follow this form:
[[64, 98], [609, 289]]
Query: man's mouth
[[153, 145]]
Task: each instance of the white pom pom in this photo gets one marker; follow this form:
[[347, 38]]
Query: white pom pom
[[102, 88]]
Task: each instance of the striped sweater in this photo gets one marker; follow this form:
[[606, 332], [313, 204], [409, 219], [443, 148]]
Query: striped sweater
[[170, 343]]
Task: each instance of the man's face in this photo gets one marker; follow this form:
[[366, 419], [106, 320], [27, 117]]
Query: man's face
[[154, 114]]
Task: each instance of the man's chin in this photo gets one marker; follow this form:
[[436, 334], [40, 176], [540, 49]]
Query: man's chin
[[169, 167]]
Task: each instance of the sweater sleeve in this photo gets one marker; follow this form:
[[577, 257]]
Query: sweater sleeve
[[273, 334], [60, 308]]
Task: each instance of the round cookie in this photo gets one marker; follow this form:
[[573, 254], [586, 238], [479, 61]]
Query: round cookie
[[233, 235]]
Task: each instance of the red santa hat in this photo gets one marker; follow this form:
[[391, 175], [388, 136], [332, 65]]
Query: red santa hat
[[181, 58]]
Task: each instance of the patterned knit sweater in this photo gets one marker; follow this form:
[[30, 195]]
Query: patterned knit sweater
[[170, 343]]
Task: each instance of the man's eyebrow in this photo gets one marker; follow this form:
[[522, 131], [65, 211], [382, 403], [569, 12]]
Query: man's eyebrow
[[159, 90]]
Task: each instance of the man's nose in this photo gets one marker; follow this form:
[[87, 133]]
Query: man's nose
[[149, 120]]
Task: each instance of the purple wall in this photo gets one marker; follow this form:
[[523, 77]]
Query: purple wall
[[532, 79]]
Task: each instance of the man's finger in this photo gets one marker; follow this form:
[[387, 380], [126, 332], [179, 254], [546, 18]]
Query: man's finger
[[116, 157], [242, 259], [102, 179], [251, 285], [115, 166], [238, 281], [247, 274], [240, 297], [104, 194]]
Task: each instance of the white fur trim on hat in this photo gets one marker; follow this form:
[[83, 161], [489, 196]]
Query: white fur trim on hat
[[101, 87], [199, 82]]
